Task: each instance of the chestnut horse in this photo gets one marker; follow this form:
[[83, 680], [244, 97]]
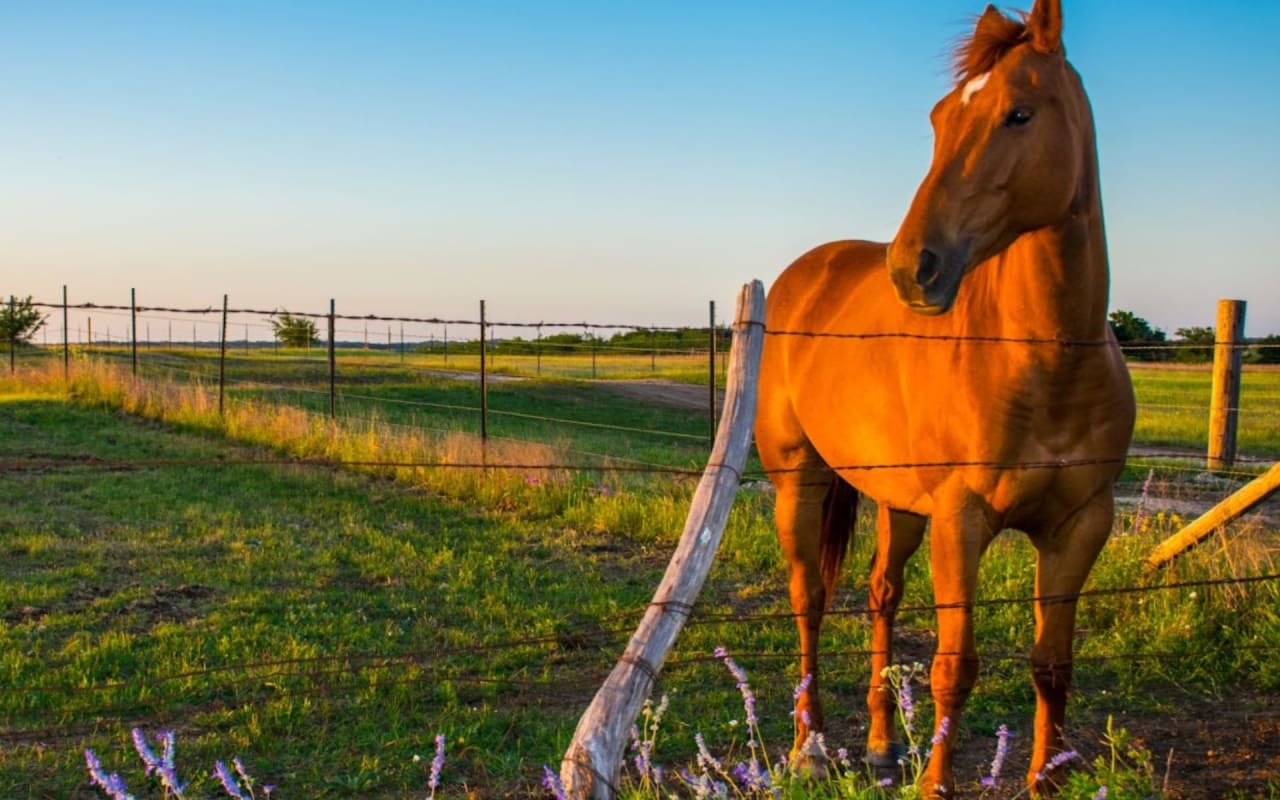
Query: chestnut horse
[[964, 375]]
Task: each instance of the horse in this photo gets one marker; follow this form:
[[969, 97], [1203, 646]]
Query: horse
[[963, 376]]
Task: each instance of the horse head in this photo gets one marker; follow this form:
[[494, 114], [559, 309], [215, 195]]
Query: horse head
[[1007, 159]]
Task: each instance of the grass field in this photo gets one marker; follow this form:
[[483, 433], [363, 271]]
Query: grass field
[[1173, 400], [325, 624]]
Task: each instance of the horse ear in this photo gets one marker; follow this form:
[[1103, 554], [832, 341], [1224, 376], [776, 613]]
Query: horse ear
[[1045, 25], [991, 20]]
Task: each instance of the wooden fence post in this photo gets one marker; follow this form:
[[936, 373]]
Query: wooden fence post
[[1224, 404], [1245, 498], [592, 764]]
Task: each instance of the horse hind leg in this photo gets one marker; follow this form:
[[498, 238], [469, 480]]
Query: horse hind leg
[[898, 536]]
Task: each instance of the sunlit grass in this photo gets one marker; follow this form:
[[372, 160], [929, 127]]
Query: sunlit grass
[[325, 624]]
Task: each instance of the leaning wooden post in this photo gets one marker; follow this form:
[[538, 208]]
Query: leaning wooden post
[[1224, 405], [1244, 499], [592, 765]]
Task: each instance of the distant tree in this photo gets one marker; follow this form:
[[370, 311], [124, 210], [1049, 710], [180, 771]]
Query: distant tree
[[1137, 336], [1197, 335], [1265, 350], [19, 321], [295, 331]]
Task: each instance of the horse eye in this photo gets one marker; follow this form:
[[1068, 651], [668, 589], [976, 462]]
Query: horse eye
[[1018, 117]]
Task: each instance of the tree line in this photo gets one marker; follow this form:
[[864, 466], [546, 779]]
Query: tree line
[[20, 320]]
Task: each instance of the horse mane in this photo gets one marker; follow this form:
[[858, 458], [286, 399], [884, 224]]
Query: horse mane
[[993, 37]]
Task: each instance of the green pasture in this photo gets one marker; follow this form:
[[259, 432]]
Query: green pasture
[[325, 624], [1173, 401]]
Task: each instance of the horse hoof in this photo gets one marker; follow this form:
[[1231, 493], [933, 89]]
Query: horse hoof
[[809, 761], [888, 758]]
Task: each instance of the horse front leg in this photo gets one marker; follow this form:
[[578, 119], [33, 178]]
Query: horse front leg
[[957, 540], [898, 536], [1065, 556], [798, 516]]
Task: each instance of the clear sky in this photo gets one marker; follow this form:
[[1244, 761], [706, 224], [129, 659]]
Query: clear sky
[[599, 161]]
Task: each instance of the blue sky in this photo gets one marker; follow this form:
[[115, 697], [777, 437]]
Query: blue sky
[[568, 161]]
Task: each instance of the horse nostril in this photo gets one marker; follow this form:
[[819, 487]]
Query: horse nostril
[[927, 268]]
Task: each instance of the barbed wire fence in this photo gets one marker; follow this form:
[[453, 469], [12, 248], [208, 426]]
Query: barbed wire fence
[[481, 349], [571, 681]]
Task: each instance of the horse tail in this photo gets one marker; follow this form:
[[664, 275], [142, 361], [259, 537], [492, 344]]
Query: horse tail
[[839, 511]]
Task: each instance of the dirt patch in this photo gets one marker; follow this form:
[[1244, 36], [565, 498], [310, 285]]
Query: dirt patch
[[680, 395]]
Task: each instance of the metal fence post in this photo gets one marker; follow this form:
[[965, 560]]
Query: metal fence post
[[712, 370], [222, 359], [66, 344], [484, 382], [333, 363], [1224, 403], [13, 335], [133, 329]]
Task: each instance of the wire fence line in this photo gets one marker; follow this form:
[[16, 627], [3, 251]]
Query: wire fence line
[[574, 676], [604, 635]]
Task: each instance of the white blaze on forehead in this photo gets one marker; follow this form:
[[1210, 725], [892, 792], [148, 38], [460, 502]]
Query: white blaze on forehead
[[973, 87]]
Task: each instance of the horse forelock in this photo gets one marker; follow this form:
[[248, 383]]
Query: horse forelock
[[991, 40]]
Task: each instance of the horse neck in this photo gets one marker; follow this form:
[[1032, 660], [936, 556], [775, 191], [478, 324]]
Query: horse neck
[[1053, 282]]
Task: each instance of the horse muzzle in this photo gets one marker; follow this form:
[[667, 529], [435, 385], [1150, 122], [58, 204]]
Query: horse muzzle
[[926, 279]]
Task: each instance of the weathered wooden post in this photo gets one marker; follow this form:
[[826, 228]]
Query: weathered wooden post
[[1242, 500], [1224, 405], [592, 764]]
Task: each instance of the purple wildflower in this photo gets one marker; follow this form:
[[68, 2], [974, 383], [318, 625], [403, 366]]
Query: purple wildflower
[[740, 675], [437, 764], [944, 730], [705, 759], [752, 777], [162, 765], [112, 784], [886, 782], [1055, 762], [906, 701], [803, 685], [997, 763], [1141, 512], [552, 783], [1102, 793], [149, 758], [228, 781]]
